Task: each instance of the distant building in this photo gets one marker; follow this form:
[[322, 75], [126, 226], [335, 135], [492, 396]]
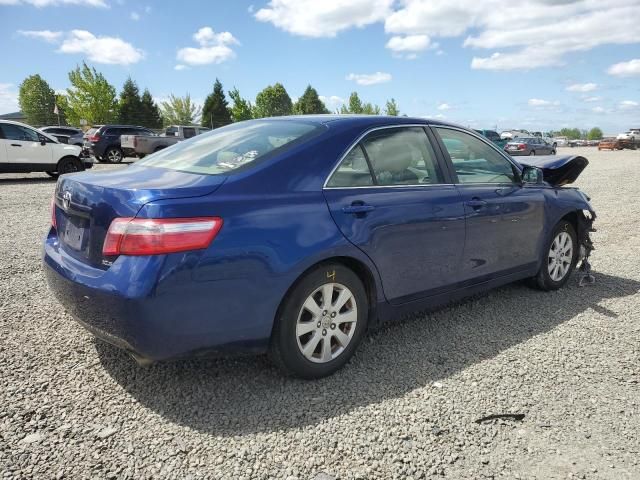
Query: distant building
[[15, 116]]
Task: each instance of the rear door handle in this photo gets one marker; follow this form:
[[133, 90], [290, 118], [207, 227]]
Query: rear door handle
[[476, 203], [358, 208], [16, 145]]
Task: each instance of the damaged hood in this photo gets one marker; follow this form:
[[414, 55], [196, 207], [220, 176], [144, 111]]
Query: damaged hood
[[558, 170]]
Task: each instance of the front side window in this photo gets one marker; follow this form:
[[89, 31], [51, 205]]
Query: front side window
[[16, 132], [474, 160], [231, 147]]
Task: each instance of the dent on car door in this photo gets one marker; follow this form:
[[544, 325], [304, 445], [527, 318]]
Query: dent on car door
[[504, 220], [389, 199]]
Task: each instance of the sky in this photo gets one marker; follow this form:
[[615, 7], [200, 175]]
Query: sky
[[537, 64]]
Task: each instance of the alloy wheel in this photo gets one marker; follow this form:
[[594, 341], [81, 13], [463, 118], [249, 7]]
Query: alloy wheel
[[326, 322], [114, 156], [560, 256]]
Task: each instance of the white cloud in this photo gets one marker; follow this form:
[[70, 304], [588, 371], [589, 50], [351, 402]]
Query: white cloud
[[582, 87], [628, 105], [180, 67], [332, 102], [46, 35], [109, 50], [444, 107], [55, 3], [625, 69], [591, 99], [369, 78], [214, 48], [313, 18], [598, 110], [8, 98], [134, 16], [410, 43], [524, 34], [538, 102]]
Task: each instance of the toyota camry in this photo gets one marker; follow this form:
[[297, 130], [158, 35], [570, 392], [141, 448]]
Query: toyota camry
[[293, 236]]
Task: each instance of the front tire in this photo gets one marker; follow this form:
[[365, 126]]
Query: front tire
[[560, 257], [67, 165], [320, 323]]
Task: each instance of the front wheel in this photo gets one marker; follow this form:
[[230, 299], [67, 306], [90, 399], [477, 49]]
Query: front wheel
[[560, 257], [320, 323]]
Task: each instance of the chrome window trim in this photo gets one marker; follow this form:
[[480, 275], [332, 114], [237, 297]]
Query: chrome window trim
[[357, 141]]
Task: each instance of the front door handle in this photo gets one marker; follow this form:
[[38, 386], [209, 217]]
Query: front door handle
[[358, 209], [476, 203], [16, 145]]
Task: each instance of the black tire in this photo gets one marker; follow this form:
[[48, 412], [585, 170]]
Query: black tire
[[533, 152], [157, 149], [284, 350], [553, 152], [543, 279], [69, 165], [52, 174], [113, 155]]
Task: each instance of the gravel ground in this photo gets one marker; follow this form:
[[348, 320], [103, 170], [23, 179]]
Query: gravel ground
[[405, 407]]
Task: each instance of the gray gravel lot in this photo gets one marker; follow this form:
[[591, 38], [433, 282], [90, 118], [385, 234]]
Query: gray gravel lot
[[72, 407]]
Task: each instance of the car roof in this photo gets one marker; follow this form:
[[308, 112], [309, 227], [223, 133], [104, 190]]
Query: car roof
[[361, 120]]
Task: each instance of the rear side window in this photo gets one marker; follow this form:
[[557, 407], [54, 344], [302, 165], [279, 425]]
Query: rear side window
[[188, 132], [231, 147], [353, 171], [114, 131], [474, 160]]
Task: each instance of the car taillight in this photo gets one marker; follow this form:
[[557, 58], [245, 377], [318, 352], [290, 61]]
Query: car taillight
[[522, 146], [155, 236], [54, 224], [94, 138]]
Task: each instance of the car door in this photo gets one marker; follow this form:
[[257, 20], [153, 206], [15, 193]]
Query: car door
[[504, 220], [390, 197], [26, 146]]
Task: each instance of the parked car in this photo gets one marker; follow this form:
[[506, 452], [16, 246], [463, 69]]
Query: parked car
[[529, 146], [62, 133], [494, 137], [294, 235], [561, 141], [142, 145], [511, 134], [633, 135], [24, 149], [104, 143]]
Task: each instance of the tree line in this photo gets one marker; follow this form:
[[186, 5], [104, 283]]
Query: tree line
[[576, 134], [93, 99]]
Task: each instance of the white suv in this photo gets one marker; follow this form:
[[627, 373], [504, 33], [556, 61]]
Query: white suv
[[24, 149]]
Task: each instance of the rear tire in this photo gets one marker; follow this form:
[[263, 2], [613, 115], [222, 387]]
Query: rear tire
[[533, 152], [113, 155], [314, 335], [559, 258]]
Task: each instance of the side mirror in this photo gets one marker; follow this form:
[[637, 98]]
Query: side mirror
[[532, 175]]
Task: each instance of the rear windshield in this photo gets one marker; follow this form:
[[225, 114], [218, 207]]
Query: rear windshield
[[229, 148]]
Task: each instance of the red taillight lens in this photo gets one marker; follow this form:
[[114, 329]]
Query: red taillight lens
[[154, 236], [522, 146], [54, 224], [94, 138]]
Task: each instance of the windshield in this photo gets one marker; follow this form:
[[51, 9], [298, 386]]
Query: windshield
[[228, 148]]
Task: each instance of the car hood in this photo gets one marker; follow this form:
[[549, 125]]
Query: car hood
[[558, 169]]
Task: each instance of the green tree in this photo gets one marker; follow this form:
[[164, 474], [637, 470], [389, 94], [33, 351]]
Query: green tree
[[90, 97], [130, 104], [215, 112], [273, 101], [180, 111], [150, 116], [392, 108], [355, 105], [571, 133], [594, 134], [309, 103], [241, 109], [37, 101], [370, 109]]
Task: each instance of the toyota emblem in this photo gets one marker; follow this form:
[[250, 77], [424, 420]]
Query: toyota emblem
[[66, 199]]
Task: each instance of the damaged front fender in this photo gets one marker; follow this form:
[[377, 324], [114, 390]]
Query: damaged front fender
[[586, 218]]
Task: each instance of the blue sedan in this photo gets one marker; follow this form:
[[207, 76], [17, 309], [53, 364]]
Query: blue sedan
[[294, 235]]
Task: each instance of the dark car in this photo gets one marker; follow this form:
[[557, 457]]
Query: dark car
[[529, 146], [62, 133], [104, 143], [294, 235], [493, 136]]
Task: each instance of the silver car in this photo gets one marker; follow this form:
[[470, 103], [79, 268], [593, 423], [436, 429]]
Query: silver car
[[529, 146]]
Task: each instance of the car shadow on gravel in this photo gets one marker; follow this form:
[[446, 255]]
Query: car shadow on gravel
[[247, 395]]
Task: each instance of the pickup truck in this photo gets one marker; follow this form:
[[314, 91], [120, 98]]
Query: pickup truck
[[140, 145]]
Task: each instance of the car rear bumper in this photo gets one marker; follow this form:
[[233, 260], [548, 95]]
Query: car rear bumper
[[152, 308]]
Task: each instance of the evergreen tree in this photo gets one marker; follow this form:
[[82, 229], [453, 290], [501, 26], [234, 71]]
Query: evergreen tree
[[309, 103], [215, 112], [273, 101], [130, 104], [392, 108], [37, 101], [150, 116], [241, 109], [370, 109], [355, 104]]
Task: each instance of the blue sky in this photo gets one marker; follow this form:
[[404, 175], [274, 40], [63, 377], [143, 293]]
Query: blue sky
[[534, 64]]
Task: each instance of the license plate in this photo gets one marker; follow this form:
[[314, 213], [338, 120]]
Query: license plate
[[73, 236]]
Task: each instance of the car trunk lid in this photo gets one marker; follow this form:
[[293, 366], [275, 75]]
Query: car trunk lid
[[558, 170], [86, 203]]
